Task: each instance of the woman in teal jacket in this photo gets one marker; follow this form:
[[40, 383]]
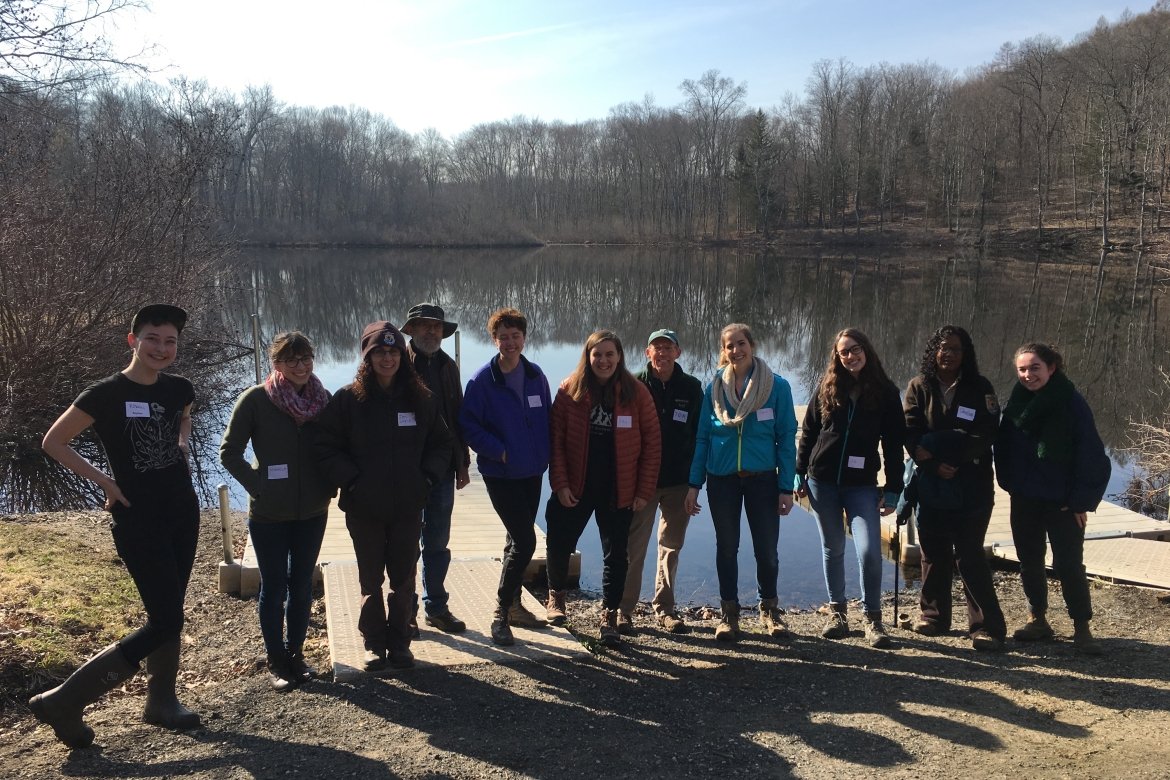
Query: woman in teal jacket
[[288, 497], [746, 452]]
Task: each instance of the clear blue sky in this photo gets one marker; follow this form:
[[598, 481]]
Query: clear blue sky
[[451, 64]]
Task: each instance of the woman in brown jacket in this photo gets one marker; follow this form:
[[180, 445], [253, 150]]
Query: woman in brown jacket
[[606, 449]]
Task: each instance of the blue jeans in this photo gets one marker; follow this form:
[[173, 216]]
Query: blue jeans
[[287, 555], [860, 507], [759, 496], [435, 535]]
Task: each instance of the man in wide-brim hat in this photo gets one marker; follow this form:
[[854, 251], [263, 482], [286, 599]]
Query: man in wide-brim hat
[[427, 326]]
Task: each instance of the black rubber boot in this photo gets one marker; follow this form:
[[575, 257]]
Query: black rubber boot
[[61, 707], [162, 706]]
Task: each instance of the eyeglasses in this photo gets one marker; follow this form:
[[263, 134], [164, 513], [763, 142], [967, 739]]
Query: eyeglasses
[[950, 350], [853, 351], [306, 360]]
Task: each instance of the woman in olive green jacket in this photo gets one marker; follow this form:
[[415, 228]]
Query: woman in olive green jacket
[[288, 497]]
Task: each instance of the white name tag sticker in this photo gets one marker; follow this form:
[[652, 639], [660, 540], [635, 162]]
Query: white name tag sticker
[[856, 461], [406, 419], [534, 401], [279, 471], [680, 415], [625, 421], [965, 413], [137, 409], [765, 413]]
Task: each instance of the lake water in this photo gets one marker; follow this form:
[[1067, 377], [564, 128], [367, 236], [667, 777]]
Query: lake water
[[1104, 314]]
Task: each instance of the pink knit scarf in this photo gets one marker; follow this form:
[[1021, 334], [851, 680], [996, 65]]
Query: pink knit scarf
[[301, 406]]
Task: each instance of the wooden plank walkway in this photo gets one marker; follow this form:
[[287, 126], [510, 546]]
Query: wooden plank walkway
[[477, 543]]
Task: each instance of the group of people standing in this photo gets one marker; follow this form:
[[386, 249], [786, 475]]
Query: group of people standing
[[617, 446]]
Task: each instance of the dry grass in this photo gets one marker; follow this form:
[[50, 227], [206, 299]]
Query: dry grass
[[61, 598]]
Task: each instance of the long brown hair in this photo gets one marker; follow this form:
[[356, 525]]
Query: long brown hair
[[582, 381], [412, 385], [732, 328], [838, 383]]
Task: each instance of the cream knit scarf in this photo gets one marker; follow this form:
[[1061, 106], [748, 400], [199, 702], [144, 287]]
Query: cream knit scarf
[[755, 394]]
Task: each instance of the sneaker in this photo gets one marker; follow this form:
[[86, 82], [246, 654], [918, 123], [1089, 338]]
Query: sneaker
[[981, 640], [1035, 630], [875, 632], [280, 678], [1084, 641], [610, 637], [926, 627], [300, 670], [625, 623], [401, 659], [522, 617], [556, 608], [672, 623], [836, 627], [373, 660], [446, 622]]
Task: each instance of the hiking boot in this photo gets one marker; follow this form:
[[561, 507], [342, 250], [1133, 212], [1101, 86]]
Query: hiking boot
[[501, 631], [672, 623], [522, 617], [373, 659], [728, 628], [625, 623], [610, 637], [1083, 639], [836, 627], [299, 668], [446, 622], [981, 640], [412, 629], [875, 632], [280, 677], [772, 619], [162, 705], [556, 608], [926, 627], [61, 707], [401, 659], [1036, 629]]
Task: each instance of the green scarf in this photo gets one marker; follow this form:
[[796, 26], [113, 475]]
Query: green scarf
[[1043, 415]]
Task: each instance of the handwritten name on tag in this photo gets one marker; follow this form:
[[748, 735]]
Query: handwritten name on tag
[[278, 471], [680, 415], [965, 413], [406, 419], [534, 401], [625, 421], [765, 413], [137, 409], [856, 461]]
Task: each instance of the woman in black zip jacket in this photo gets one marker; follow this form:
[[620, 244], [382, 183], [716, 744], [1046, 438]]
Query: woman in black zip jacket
[[951, 395], [856, 408]]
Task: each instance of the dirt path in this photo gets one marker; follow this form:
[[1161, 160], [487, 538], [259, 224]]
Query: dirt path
[[663, 706]]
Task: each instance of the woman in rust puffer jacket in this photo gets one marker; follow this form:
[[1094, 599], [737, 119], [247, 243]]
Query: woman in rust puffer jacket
[[606, 450]]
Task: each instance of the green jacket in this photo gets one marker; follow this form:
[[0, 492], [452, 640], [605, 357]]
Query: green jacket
[[285, 482]]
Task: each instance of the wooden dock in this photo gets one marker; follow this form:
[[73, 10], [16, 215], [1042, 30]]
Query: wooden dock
[[477, 544]]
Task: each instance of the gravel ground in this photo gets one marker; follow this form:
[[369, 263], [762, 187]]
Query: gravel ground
[[661, 706]]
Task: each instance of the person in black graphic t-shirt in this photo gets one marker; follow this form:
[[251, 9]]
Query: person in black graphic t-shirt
[[143, 419]]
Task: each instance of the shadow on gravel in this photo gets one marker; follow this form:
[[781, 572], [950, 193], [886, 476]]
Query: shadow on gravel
[[234, 752], [688, 707]]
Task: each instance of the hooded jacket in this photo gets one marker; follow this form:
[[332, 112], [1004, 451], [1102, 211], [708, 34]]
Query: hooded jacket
[[843, 449]]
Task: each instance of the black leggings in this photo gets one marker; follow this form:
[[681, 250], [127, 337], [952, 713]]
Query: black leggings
[[158, 547]]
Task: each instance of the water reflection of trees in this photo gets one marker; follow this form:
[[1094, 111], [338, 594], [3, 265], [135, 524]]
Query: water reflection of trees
[[1103, 314]]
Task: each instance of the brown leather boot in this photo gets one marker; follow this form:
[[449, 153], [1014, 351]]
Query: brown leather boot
[[556, 613], [728, 628]]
